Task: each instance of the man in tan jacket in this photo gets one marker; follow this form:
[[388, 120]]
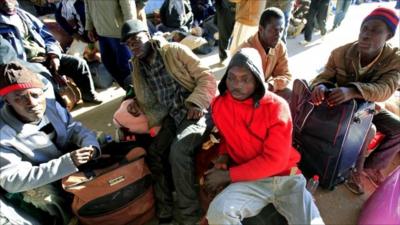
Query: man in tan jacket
[[247, 16], [367, 69], [171, 78], [272, 50]]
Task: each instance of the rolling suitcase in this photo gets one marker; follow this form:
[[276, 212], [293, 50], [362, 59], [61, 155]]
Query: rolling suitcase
[[328, 138]]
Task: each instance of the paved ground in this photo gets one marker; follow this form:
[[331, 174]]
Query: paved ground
[[338, 206]]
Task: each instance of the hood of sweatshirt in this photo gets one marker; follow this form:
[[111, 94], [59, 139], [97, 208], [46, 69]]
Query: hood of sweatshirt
[[251, 60]]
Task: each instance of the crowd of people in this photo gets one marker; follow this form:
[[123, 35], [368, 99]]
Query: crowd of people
[[257, 165]]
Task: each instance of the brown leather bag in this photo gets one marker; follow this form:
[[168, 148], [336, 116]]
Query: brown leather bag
[[70, 93], [120, 193]]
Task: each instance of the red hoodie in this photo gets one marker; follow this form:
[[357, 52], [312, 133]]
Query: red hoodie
[[257, 139]]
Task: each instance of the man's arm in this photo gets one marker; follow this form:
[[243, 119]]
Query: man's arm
[[51, 44], [77, 133], [381, 89], [328, 76], [17, 175], [281, 74], [205, 83]]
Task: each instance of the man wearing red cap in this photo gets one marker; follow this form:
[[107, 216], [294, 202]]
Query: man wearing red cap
[[37, 135], [367, 69]]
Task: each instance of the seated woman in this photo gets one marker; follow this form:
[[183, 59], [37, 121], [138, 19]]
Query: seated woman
[[37, 136], [257, 160]]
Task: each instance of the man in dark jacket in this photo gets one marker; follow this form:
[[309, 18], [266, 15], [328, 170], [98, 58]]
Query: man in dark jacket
[[33, 42]]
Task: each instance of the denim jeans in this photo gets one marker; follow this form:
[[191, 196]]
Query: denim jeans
[[115, 57], [246, 199], [341, 9]]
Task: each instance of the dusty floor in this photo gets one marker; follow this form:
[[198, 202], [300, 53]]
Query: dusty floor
[[337, 207]]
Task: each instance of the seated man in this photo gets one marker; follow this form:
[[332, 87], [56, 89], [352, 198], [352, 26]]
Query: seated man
[[367, 69], [257, 160], [174, 89], [37, 136], [272, 50], [32, 42], [7, 54]]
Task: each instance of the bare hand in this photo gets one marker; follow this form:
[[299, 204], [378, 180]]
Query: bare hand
[[318, 94], [92, 35], [54, 63], [215, 179], [222, 162], [339, 95], [194, 112], [280, 83], [82, 155]]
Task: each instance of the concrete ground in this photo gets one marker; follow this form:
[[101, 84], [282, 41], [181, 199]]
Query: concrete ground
[[337, 207]]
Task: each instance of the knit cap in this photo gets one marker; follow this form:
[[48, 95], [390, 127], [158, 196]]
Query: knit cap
[[386, 15], [14, 77]]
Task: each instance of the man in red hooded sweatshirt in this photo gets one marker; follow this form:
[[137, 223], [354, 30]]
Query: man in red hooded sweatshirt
[[256, 145]]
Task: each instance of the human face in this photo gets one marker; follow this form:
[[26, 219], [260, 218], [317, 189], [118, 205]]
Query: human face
[[29, 104], [271, 33], [139, 44], [8, 6], [240, 82], [373, 36]]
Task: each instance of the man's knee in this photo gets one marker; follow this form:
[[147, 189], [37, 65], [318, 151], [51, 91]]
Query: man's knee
[[181, 152], [217, 211]]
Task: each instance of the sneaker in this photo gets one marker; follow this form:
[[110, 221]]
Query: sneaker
[[354, 183], [304, 42], [375, 176], [95, 100]]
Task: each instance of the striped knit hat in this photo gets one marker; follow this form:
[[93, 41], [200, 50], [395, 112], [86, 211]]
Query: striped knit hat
[[15, 77], [386, 15]]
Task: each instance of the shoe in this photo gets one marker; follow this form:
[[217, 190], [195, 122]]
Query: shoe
[[354, 183], [304, 42], [95, 100], [375, 176]]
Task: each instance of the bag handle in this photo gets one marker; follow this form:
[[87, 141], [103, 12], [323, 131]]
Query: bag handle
[[90, 174]]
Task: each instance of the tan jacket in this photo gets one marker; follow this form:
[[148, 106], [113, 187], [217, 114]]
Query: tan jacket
[[377, 84], [108, 16], [186, 68], [275, 62], [248, 12]]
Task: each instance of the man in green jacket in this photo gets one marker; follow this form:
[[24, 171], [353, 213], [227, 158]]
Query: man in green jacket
[[174, 89], [367, 69], [103, 23]]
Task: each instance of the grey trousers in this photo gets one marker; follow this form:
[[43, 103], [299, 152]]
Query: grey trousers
[[177, 161]]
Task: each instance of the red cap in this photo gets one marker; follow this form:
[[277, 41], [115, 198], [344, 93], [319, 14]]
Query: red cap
[[315, 177]]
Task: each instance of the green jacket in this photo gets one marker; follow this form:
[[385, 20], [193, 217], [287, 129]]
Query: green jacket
[[108, 16], [376, 85], [186, 68]]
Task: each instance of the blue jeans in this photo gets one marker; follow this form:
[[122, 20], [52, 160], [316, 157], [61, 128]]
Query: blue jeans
[[115, 57], [341, 9], [246, 199]]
